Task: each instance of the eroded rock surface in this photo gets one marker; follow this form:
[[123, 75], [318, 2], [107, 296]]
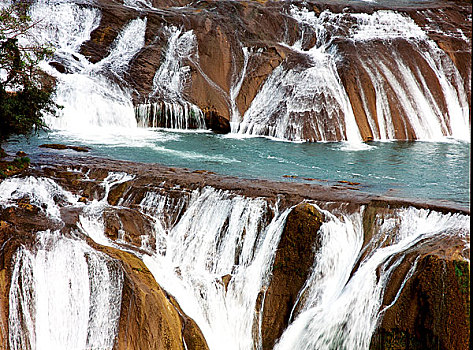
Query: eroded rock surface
[[425, 307], [254, 61], [292, 263]]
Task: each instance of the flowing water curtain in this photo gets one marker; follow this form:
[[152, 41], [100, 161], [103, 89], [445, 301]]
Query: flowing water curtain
[[217, 234], [170, 108], [339, 307], [64, 295], [217, 263], [89, 97], [214, 253], [309, 101], [427, 87]]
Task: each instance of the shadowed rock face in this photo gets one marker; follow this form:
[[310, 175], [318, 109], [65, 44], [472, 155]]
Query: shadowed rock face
[[292, 263], [313, 72], [429, 307], [419, 318]]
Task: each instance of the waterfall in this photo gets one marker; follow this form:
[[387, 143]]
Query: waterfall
[[217, 236], [330, 87], [236, 86], [423, 110], [213, 252], [310, 102], [172, 110], [174, 115], [340, 307], [85, 90], [304, 103], [64, 295]]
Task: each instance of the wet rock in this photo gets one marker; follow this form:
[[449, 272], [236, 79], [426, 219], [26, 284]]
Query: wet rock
[[3, 154], [292, 264], [58, 66], [191, 332], [14, 167], [216, 122], [53, 146], [226, 280], [79, 148], [148, 319], [117, 192], [129, 226], [432, 310], [58, 146]]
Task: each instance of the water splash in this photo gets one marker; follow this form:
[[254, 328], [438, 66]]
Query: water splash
[[340, 308], [41, 192], [64, 295], [172, 109]]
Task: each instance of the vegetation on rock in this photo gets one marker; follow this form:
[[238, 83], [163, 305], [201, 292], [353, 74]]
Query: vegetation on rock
[[9, 168], [25, 96]]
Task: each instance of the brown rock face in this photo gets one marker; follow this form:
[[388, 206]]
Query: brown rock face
[[129, 226], [239, 44], [148, 318], [294, 258], [432, 311]]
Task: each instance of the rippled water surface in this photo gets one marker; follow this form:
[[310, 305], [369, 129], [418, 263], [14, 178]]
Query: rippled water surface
[[418, 170]]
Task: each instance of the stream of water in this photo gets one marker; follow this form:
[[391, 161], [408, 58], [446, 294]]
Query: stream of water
[[417, 170]]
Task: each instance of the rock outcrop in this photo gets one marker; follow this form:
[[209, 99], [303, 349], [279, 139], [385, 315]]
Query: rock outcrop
[[423, 307], [433, 309], [427, 308], [233, 55], [292, 263], [149, 318]]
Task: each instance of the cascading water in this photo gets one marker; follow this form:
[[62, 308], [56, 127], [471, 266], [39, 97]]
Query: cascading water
[[340, 307], [172, 115], [64, 295], [214, 253], [310, 101], [411, 89], [424, 112], [172, 110], [304, 103], [88, 96], [228, 237]]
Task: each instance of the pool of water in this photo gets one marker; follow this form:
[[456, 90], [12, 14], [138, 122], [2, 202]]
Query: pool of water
[[417, 170]]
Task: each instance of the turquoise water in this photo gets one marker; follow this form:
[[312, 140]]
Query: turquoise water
[[418, 170]]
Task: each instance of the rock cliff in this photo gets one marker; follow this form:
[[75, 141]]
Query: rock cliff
[[425, 302], [306, 71]]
